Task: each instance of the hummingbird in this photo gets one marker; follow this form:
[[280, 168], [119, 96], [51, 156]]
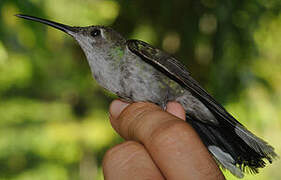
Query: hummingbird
[[136, 71]]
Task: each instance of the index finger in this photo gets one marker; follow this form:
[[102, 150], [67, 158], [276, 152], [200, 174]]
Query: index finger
[[172, 143]]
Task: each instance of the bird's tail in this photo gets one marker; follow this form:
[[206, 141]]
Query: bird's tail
[[234, 148]]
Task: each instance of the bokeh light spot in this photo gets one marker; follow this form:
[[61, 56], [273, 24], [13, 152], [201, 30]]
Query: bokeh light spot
[[109, 9], [203, 53], [171, 42], [208, 24], [145, 32]]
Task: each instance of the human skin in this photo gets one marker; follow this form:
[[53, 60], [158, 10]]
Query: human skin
[[158, 145]]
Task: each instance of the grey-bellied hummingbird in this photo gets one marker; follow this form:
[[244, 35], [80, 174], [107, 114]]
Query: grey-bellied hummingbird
[[137, 71]]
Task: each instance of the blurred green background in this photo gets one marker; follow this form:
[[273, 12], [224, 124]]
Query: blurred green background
[[53, 115]]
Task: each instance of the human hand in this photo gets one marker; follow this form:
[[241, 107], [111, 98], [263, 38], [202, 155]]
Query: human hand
[[159, 145]]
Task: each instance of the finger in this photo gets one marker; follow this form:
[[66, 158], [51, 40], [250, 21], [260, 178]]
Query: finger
[[172, 143], [129, 160], [116, 107], [176, 109]]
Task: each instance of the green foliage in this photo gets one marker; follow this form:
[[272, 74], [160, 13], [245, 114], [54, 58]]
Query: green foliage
[[54, 117]]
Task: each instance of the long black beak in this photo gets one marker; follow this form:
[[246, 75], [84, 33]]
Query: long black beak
[[62, 27]]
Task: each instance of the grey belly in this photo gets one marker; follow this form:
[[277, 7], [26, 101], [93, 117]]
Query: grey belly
[[142, 82]]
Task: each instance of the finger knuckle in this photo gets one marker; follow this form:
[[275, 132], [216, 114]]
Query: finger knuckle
[[133, 118], [115, 151], [168, 133]]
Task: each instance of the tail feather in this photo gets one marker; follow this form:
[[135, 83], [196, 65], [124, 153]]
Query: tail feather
[[234, 147]]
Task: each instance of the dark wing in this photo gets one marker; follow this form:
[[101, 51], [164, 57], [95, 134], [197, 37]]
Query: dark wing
[[175, 70]]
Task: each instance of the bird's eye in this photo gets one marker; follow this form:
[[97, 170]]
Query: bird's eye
[[95, 33]]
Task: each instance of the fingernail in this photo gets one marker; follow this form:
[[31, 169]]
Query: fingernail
[[116, 108]]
